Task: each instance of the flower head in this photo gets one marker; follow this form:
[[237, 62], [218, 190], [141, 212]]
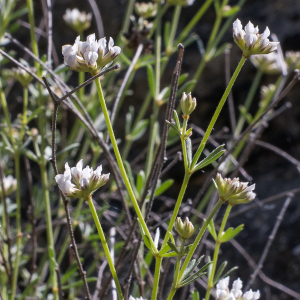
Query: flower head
[[91, 55], [79, 21], [267, 63], [293, 59], [233, 190], [188, 104], [250, 41], [146, 10], [185, 229], [223, 292], [86, 180], [10, 185]]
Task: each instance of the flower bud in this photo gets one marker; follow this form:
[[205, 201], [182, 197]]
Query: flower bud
[[185, 229], [79, 21], [188, 104], [250, 41], [233, 191], [146, 10]]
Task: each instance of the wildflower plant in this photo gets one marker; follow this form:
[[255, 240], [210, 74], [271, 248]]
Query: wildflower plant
[[127, 218]]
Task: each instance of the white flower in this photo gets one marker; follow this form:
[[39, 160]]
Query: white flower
[[223, 293], [79, 21], [234, 191], [292, 59], [10, 185], [91, 55], [86, 180], [132, 298], [146, 10], [250, 41], [267, 63]]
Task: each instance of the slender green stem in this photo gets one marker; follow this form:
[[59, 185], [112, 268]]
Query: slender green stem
[[217, 112], [105, 247], [157, 53], [158, 262], [210, 283], [176, 15], [177, 206], [248, 102], [194, 21], [128, 13], [18, 224], [198, 238], [214, 30], [120, 164], [183, 144]]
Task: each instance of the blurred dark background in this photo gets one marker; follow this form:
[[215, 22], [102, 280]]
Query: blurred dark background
[[271, 173]]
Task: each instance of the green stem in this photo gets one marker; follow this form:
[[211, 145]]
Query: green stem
[[128, 13], [177, 206], [194, 21], [158, 262], [210, 283], [176, 15], [248, 102], [198, 238], [105, 247], [120, 164], [214, 30], [18, 225], [217, 112]]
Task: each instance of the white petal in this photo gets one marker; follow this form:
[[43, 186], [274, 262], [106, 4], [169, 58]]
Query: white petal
[[79, 165], [249, 28], [266, 33]]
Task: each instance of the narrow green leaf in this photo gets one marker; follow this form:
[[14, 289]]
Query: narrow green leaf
[[68, 148], [173, 247], [231, 233], [139, 130], [212, 230], [31, 155], [190, 267], [174, 127], [185, 87], [195, 295], [145, 237], [232, 11], [220, 271], [129, 119], [177, 120], [163, 187], [198, 274], [130, 176], [221, 50], [188, 144], [170, 236], [191, 280], [167, 29], [140, 180], [151, 80], [170, 254], [226, 274], [35, 113], [164, 250]]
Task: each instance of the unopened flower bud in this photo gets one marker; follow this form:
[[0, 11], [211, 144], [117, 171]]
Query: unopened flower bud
[[185, 229], [79, 21], [188, 105], [233, 191], [146, 10], [250, 41], [34, 132]]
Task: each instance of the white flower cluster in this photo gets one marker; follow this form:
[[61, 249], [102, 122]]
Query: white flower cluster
[[10, 185], [267, 63], [86, 180], [223, 293], [79, 21], [132, 298], [233, 190], [250, 41], [91, 55]]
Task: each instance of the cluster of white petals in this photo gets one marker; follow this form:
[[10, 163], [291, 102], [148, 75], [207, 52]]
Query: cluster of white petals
[[251, 41], [146, 10], [267, 63], [132, 298], [223, 292], [9, 184], [86, 181], [91, 55], [233, 190], [77, 20]]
